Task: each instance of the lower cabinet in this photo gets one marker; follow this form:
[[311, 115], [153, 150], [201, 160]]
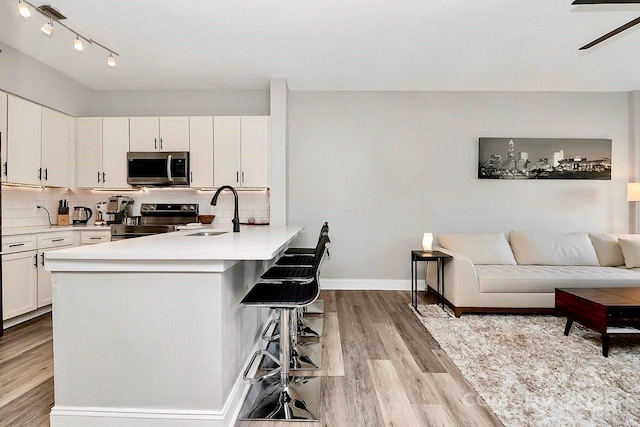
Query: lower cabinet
[[19, 283], [93, 237], [26, 285]]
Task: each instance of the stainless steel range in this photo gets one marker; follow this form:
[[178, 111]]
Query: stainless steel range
[[156, 218]]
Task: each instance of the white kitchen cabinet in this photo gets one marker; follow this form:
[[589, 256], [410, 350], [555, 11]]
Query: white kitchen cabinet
[[24, 138], [93, 237], [19, 283], [201, 153], [241, 151], [48, 242], [159, 134], [102, 152], [57, 133], [3, 134]]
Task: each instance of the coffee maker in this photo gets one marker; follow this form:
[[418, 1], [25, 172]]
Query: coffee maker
[[117, 209]]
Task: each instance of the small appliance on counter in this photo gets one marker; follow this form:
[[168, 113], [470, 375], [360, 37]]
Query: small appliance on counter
[[102, 208], [81, 215], [63, 212], [117, 209]]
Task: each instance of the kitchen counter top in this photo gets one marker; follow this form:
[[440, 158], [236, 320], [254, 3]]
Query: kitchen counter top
[[14, 231], [177, 251]]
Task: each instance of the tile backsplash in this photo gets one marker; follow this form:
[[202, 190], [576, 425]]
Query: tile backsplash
[[19, 203]]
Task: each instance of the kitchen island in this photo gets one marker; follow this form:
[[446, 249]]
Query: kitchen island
[[149, 331]]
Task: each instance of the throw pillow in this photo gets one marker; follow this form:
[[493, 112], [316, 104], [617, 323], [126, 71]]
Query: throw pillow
[[482, 248], [608, 249], [631, 251], [539, 248]]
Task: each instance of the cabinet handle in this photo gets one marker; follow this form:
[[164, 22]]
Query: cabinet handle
[[191, 177], [237, 176], [104, 177], [95, 238], [40, 173], [46, 173], [42, 255], [16, 245], [98, 177], [35, 260], [161, 143], [6, 169], [58, 240], [155, 143], [243, 177]]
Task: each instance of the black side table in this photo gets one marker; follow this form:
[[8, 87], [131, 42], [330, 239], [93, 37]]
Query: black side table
[[427, 256]]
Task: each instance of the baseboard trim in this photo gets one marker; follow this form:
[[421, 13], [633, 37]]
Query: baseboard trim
[[369, 284], [26, 317]]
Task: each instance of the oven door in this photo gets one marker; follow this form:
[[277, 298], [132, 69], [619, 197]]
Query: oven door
[[158, 168]]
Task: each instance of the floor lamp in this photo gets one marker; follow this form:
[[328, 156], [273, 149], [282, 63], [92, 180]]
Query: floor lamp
[[633, 195]]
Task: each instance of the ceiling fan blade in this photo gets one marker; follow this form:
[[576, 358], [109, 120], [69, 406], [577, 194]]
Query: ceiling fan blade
[[611, 34], [606, 2]]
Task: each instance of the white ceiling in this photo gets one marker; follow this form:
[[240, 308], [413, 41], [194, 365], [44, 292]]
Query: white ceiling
[[515, 45]]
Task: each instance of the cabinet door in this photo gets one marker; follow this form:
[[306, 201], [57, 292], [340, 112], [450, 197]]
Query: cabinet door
[[44, 278], [174, 133], [144, 134], [226, 151], [3, 135], [254, 152], [89, 152], [56, 148], [115, 144], [24, 136], [19, 284], [201, 152]]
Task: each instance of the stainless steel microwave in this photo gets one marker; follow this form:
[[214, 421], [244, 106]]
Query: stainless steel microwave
[[158, 168]]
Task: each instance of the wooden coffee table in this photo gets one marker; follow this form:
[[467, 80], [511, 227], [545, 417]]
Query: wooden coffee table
[[609, 311]]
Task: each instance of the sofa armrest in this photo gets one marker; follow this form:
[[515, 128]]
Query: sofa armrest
[[460, 277]]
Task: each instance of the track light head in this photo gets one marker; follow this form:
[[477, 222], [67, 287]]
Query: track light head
[[47, 28], [24, 11], [77, 44], [111, 61]]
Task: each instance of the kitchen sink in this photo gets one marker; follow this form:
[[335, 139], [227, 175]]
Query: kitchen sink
[[208, 233]]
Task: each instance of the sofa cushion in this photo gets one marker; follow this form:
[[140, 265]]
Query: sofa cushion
[[481, 248], [608, 249], [631, 251], [545, 278], [538, 248]]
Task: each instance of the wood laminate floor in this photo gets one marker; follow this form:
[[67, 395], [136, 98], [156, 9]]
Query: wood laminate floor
[[381, 368]]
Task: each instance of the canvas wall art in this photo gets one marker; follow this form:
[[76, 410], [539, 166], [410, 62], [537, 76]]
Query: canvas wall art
[[544, 158]]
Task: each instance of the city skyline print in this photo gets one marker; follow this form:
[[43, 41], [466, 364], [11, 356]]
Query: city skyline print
[[544, 158]]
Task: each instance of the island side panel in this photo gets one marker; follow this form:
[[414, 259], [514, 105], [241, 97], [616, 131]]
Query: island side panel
[[145, 341]]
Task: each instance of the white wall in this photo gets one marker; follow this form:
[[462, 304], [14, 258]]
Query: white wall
[[181, 103], [30, 79], [384, 167]]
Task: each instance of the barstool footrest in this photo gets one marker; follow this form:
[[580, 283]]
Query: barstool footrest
[[275, 334], [306, 357], [274, 368]]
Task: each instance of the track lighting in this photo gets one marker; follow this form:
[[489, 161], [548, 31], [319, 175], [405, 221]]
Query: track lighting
[[47, 28], [24, 10], [51, 13], [77, 44]]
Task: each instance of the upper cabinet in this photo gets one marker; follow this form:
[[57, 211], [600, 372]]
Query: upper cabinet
[[24, 139], [159, 134], [241, 151], [201, 153], [58, 131], [3, 134], [102, 152]]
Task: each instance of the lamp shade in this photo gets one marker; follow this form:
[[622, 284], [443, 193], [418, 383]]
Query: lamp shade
[[427, 242], [633, 192]]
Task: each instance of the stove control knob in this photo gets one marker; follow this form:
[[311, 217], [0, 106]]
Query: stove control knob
[[192, 208]]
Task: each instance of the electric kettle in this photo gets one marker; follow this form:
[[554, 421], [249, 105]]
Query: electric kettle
[[81, 215]]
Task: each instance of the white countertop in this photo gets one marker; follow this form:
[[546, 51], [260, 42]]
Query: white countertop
[[14, 231], [177, 251]]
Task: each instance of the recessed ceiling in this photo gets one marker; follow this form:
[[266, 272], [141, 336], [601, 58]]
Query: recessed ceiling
[[441, 45]]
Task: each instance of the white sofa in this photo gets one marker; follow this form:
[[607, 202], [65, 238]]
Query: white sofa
[[489, 273]]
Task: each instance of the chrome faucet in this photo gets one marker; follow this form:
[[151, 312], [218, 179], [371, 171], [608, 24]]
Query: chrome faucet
[[236, 218]]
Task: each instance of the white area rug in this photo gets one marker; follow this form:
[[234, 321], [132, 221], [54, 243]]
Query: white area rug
[[530, 374]]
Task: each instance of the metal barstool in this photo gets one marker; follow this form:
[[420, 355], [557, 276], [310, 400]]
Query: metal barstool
[[282, 397]]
